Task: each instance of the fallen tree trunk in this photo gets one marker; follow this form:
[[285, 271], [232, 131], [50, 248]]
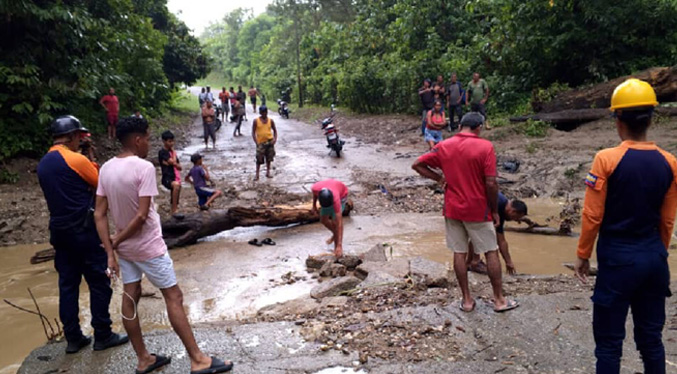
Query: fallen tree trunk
[[181, 232], [663, 80], [186, 231], [573, 117], [551, 231]]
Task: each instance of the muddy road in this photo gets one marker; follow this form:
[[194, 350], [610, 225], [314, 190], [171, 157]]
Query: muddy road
[[225, 280]]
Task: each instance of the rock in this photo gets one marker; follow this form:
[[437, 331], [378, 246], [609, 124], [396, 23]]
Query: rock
[[398, 268], [378, 278], [316, 262], [431, 273], [332, 270], [292, 307], [249, 195], [350, 261], [334, 286], [377, 253], [335, 301]]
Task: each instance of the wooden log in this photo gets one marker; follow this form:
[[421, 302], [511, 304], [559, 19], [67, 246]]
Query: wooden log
[[573, 117], [550, 231], [663, 80], [186, 231]]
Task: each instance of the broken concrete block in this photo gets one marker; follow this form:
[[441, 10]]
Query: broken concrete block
[[378, 278], [377, 253], [431, 273], [398, 268], [316, 262], [334, 286]]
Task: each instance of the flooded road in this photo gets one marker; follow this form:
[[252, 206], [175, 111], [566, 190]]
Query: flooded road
[[224, 278]]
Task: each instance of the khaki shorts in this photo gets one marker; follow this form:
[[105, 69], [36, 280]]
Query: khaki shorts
[[265, 152], [460, 233]]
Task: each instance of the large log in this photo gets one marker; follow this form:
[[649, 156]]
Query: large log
[[573, 117], [550, 231], [663, 79], [186, 231], [191, 227]]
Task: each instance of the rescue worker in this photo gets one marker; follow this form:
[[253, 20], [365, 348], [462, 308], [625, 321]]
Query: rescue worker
[[630, 203], [69, 180]]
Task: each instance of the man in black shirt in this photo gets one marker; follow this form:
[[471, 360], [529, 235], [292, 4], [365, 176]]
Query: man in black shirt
[[508, 210], [427, 95]]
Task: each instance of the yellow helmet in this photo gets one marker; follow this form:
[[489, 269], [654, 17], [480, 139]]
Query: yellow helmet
[[633, 93]]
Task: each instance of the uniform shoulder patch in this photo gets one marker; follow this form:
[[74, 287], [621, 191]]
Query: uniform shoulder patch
[[591, 180]]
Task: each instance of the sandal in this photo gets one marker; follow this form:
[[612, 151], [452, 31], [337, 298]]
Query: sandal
[[217, 366], [511, 304], [460, 306], [160, 361], [268, 241], [255, 242]]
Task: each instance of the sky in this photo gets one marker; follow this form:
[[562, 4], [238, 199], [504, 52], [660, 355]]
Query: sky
[[198, 13]]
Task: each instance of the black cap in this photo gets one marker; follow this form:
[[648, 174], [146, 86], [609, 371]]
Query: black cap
[[263, 108], [472, 120], [195, 157], [66, 125]]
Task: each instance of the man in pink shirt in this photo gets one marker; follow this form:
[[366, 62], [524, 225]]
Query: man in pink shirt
[[468, 165], [112, 105], [333, 197], [127, 186]]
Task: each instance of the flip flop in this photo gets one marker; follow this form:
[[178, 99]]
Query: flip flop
[[268, 241], [160, 361], [218, 366], [460, 306], [204, 207], [512, 304], [255, 242]]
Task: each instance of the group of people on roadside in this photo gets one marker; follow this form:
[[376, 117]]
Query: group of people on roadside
[[439, 98]]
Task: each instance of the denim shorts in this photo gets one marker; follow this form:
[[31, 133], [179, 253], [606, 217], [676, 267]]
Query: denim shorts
[[433, 135], [203, 194]]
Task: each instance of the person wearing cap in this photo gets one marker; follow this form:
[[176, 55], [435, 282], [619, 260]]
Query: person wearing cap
[[264, 134], [333, 197], [198, 176], [112, 106], [68, 180], [427, 96], [629, 209], [468, 165]]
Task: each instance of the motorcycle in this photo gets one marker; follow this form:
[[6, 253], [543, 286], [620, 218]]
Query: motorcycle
[[334, 142], [283, 109]]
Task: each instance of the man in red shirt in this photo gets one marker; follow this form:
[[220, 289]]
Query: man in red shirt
[[112, 106], [333, 197], [468, 165]]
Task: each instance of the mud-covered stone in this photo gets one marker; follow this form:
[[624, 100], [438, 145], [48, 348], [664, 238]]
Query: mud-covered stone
[[316, 262], [332, 270], [350, 261], [335, 301], [377, 278], [377, 253], [334, 286], [431, 273], [398, 268]]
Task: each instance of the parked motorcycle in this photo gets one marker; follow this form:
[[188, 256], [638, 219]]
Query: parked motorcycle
[[283, 109], [334, 142]]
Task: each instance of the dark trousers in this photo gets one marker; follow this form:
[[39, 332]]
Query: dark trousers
[[79, 253], [639, 282], [457, 110]]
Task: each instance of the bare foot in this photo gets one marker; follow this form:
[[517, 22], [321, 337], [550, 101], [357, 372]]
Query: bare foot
[[330, 240], [256, 178], [268, 176]]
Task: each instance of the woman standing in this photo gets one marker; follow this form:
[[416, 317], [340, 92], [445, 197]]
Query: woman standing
[[435, 122]]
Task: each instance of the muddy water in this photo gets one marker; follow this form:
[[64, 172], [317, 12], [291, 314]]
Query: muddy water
[[532, 254]]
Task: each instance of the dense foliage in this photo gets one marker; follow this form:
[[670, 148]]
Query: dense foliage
[[60, 56], [371, 55]]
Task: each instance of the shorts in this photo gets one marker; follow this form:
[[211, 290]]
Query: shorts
[[433, 135], [167, 182], [209, 130], [265, 152], [481, 234], [253, 100], [203, 194], [158, 270], [112, 119], [329, 211]]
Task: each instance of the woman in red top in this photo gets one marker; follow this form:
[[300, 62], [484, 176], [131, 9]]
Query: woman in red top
[[435, 122]]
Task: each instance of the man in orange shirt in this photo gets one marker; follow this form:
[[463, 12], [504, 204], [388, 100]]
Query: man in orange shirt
[[630, 205], [112, 105]]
